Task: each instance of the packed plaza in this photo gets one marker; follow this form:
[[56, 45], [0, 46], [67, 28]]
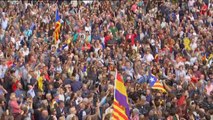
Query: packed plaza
[[69, 60]]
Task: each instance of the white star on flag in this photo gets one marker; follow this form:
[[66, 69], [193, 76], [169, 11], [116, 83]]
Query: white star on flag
[[152, 79]]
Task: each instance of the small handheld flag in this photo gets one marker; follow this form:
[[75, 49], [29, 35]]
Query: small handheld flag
[[57, 27], [152, 80], [156, 84], [159, 86]]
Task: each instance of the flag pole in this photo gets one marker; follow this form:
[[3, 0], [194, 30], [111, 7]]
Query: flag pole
[[116, 73]]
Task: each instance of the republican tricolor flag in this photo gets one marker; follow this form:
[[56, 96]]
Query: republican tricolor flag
[[120, 104], [57, 27]]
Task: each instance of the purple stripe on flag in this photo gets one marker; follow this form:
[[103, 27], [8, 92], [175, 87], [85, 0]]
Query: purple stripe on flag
[[122, 100]]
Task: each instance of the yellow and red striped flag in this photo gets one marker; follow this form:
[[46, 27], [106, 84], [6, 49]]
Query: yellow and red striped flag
[[159, 86]]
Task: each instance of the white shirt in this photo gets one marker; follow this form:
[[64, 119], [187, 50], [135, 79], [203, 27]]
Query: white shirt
[[163, 24], [191, 3], [13, 40], [102, 40], [74, 3], [88, 28], [181, 33], [25, 52], [193, 46], [28, 78], [134, 48], [1, 54], [152, 42], [61, 97], [4, 24], [178, 18], [192, 19], [70, 116], [31, 92], [3, 69], [96, 50], [180, 73], [18, 44], [149, 57], [1, 36], [138, 76], [84, 113], [141, 35], [193, 60], [58, 69], [87, 1], [209, 63]]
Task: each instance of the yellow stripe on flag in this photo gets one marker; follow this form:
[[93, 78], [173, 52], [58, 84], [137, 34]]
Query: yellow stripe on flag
[[120, 87], [159, 86], [120, 109], [115, 116], [40, 83]]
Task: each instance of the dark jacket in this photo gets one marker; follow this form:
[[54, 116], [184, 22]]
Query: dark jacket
[[60, 112]]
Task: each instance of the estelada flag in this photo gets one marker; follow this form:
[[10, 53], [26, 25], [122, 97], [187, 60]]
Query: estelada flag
[[159, 86], [57, 27]]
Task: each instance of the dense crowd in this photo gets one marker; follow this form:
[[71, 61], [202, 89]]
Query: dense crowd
[[73, 78]]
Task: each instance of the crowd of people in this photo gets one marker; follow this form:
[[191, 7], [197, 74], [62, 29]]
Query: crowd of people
[[73, 78]]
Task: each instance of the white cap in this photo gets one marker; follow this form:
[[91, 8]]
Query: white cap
[[135, 110]]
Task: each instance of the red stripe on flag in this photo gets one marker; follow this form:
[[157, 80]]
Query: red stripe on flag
[[119, 78], [120, 114], [118, 105], [158, 86], [57, 25], [115, 117]]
